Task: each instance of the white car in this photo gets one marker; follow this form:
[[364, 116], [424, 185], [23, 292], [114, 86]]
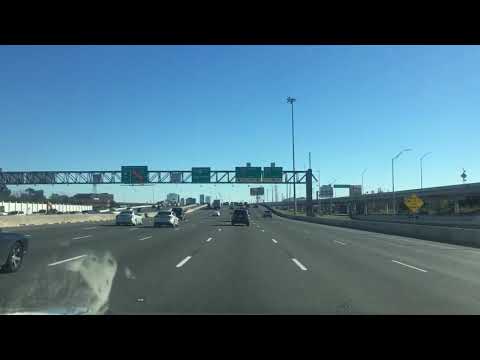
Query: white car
[[129, 217], [165, 217], [216, 213]]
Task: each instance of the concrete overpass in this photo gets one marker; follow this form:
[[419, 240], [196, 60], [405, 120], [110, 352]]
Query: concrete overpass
[[452, 199]]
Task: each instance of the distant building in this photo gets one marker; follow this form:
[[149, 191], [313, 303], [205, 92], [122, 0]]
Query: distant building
[[208, 199], [190, 201], [172, 197], [103, 200], [182, 202], [202, 199]]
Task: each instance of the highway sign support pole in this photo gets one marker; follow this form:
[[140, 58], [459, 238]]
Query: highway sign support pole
[[309, 209]]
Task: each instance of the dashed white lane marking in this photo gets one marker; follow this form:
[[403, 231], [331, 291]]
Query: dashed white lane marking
[[219, 229], [262, 230], [81, 237], [145, 238], [90, 228], [28, 235], [181, 263], [209, 239], [339, 242], [299, 264], [275, 241], [410, 266], [67, 260]]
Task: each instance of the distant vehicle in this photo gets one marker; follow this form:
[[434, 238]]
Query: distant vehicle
[[216, 213], [255, 206], [240, 216], [165, 217], [59, 212], [13, 213], [267, 213], [85, 211], [231, 207], [129, 217], [42, 211], [179, 213], [13, 248], [216, 204]]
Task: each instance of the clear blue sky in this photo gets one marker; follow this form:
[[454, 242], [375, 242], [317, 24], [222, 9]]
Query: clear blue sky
[[174, 107]]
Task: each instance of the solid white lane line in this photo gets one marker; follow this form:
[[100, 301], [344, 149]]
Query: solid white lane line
[[410, 266], [299, 264], [90, 228], [67, 260], [209, 239], [181, 263], [81, 237], [145, 238], [275, 241], [339, 242]]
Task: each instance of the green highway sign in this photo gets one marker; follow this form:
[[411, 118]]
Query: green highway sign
[[272, 174], [257, 191], [248, 174], [341, 186], [200, 174], [134, 174]]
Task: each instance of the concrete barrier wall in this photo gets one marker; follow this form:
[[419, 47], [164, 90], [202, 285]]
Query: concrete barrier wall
[[21, 220], [467, 221], [29, 208], [193, 208], [450, 235]]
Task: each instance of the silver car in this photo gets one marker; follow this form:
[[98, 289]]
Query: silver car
[[165, 217], [129, 217]]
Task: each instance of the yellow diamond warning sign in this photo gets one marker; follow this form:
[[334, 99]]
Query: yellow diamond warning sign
[[413, 203]]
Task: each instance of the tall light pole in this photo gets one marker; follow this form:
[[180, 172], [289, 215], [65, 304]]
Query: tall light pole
[[291, 100], [393, 178], [421, 169], [363, 172]]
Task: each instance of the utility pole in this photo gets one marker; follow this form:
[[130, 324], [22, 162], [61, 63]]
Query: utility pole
[[291, 100], [363, 172], [309, 160]]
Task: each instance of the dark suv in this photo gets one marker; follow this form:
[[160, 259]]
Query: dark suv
[[179, 213], [240, 216]]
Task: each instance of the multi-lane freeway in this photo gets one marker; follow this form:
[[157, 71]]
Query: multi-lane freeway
[[207, 266]]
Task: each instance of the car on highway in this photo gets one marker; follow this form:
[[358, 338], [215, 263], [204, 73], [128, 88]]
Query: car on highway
[[179, 213], [216, 213], [13, 248], [3, 213], [129, 217], [267, 213], [240, 216], [255, 206], [166, 217]]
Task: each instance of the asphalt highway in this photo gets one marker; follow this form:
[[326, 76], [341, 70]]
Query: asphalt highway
[[207, 266]]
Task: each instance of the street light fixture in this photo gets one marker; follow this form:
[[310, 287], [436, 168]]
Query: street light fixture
[[393, 178], [291, 100], [421, 169]]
